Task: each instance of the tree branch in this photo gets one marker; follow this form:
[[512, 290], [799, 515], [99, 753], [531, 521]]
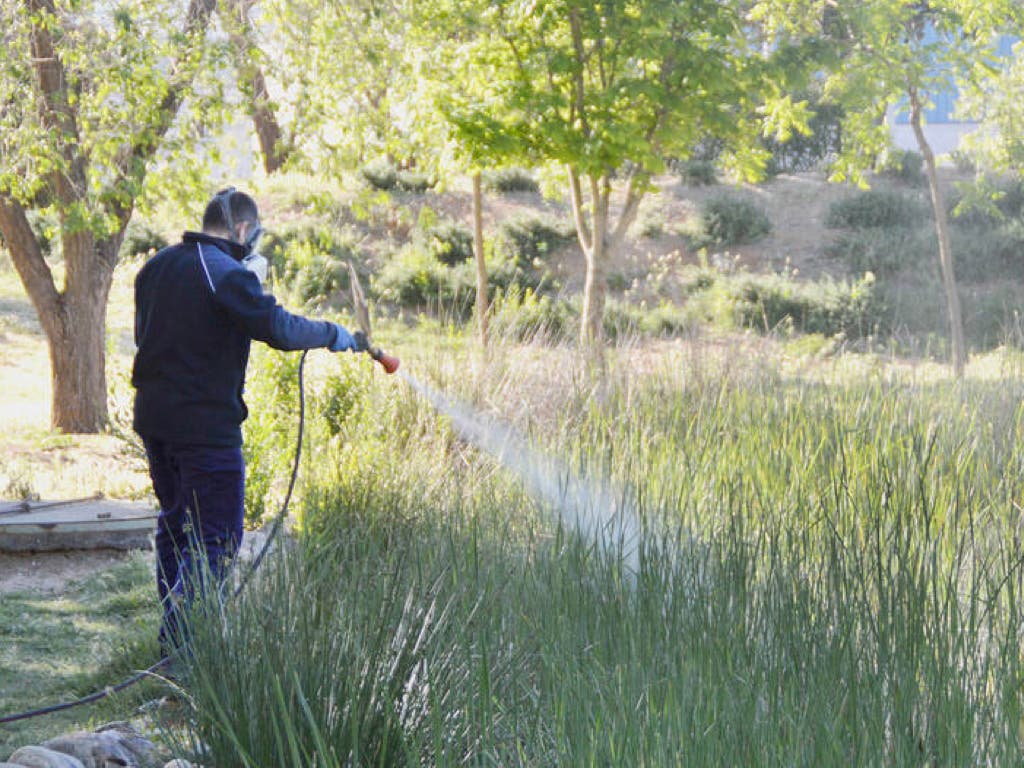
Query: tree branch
[[252, 82], [145, 142], [578, 84], [28, 259], [629, 210], [69, 181], [576, 197]]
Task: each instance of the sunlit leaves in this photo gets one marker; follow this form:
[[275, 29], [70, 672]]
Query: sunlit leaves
[[121, 65], [893, 46]]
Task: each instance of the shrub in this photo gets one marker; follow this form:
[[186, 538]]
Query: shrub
[[380, 174], [141, 238], [525, 315], [828, 307], [806, 152], [625, 320], [726, 221], [915, 314], [875, 208], [903, 166], [414, 279], [508, 180], [988, 253], [309, 259], [269, 444], [698, 173], [693, 279], [985, 203], [504, 274], [650, 219], [883, 250], [414, 181], [528, 240], [963, 161], [450, 243]]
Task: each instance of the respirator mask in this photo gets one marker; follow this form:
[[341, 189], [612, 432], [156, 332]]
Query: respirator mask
[[252, 259]]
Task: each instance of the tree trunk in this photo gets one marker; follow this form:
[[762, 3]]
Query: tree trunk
[[78, 362], [595, 291], [74, 320], [268, 131], [78, 334], [599, 243], [591, 236], [478, 253], [253, 84], [956, 325]]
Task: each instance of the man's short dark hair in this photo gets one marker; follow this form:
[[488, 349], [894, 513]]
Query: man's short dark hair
[[241, 208]]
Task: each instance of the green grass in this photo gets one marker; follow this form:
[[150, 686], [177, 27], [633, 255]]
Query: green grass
[[831, 576], [55, 647]]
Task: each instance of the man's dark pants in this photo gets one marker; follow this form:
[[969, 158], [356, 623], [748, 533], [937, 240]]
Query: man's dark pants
[[201, 492]]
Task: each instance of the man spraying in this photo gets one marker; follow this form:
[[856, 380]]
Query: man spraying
[[198, 305]]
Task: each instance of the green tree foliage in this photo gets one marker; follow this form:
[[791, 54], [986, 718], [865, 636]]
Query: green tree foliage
[[606, 91], [90, 92], [348, 81]]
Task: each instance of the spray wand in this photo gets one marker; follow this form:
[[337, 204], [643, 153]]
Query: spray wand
[[388, 362]]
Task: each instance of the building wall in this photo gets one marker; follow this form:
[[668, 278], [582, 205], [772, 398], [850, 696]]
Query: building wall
[[943, 137]]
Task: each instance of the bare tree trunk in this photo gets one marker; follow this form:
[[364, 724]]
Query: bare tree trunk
[[595, 283], [478, 253], [74, 320], [956, 325], [77, 342], [268, 130]]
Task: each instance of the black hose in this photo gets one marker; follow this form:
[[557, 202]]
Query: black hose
[[276, 527]]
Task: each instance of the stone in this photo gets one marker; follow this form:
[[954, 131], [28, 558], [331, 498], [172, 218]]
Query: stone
[[41, 757], [95, 750], [143, 749], [176, 763]]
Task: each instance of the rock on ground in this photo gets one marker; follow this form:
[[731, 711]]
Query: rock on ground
[[115, 744], [95, 750], [41, 757]]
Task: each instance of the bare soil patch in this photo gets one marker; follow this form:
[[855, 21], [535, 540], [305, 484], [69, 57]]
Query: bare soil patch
[[53, 572]]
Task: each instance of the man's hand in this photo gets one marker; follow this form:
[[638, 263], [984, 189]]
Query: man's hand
[[343, 340], [362, 344]]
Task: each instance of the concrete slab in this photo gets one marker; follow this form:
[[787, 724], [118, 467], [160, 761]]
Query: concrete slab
[[95, 523]]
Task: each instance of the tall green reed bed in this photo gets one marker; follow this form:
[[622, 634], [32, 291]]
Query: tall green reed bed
[[831, 575]]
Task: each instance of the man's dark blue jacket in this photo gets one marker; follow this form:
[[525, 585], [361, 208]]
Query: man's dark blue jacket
[[196, 310]]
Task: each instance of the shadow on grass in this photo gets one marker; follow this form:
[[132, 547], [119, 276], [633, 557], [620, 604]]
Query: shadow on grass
[[17, 314], [57, 647]]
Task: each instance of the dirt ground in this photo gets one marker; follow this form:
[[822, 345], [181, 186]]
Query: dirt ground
[[52, 572]]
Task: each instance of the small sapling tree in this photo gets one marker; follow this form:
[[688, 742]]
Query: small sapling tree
[[896, 54], [606, 91]]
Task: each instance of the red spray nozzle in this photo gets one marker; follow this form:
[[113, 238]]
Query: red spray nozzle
[[388, 362]]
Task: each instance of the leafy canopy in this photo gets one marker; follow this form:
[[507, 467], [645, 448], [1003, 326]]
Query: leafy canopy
[[121, 65], [601, 85]]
